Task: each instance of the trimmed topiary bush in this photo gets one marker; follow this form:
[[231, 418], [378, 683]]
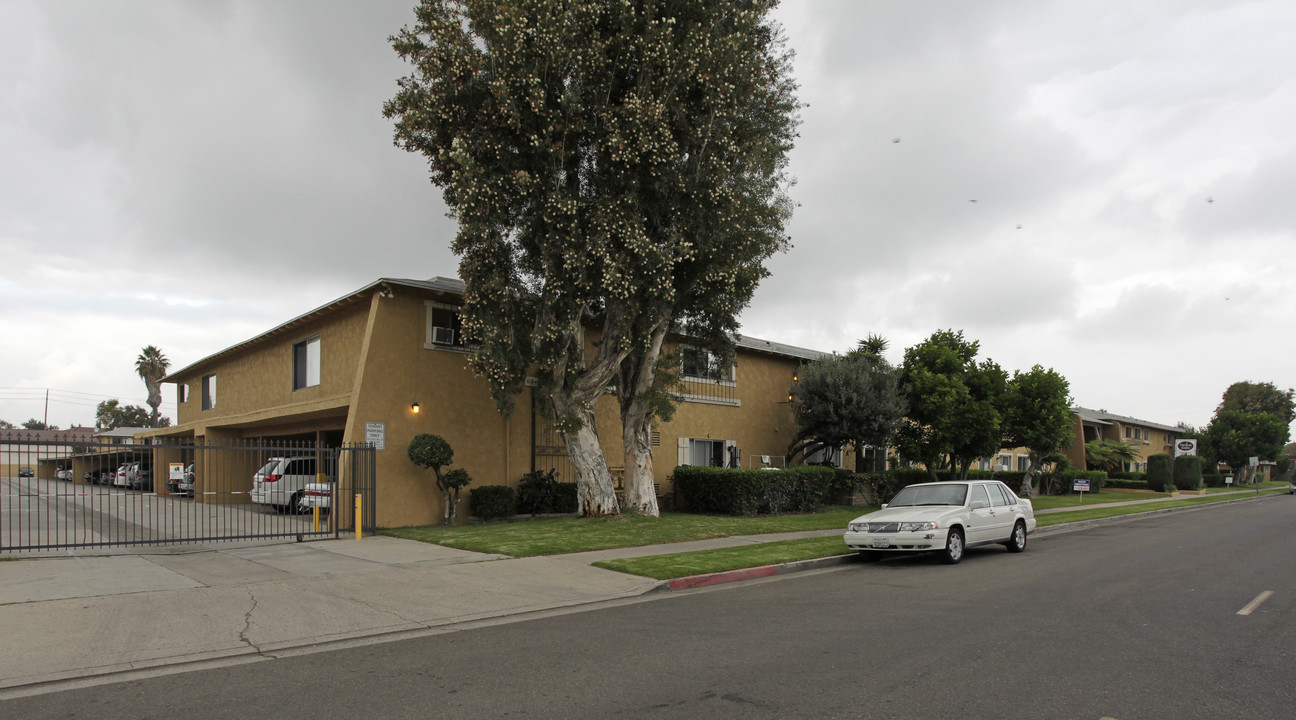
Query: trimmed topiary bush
[[1187, 474], [433, 451], [1159, 478], [492, 502]]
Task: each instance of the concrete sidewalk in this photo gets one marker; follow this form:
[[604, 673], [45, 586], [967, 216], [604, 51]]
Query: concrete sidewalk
[[113, 616]]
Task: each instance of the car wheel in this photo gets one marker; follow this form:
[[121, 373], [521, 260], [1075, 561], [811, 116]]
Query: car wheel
[[953, 551], [1017, 542], [294, 504]]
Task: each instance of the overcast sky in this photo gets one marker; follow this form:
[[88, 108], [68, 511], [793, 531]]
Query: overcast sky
[[1097, 186]]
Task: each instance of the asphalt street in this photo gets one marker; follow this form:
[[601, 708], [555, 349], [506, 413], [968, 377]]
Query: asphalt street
[[1185, 615]]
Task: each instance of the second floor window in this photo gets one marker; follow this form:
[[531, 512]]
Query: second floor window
[[444, 328], [306, 363], [208, 392], [697, 363]]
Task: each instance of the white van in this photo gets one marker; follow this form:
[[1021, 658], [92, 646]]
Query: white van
[[282, 481]]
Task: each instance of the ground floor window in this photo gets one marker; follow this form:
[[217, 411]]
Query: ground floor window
[[706, 452]]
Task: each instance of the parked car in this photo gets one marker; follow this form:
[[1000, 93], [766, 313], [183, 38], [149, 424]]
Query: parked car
[[316, 495], [63, 473], [139, 476], [106, 477], [282, 482], [183, 486], [26, 472], [945, 517]]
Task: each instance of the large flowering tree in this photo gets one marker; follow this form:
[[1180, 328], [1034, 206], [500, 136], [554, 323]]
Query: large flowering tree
[[615, 165]]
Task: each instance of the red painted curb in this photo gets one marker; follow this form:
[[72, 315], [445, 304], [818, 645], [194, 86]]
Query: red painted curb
[[697, 581]]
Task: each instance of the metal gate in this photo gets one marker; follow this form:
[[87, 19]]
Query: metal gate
[[89, 492]]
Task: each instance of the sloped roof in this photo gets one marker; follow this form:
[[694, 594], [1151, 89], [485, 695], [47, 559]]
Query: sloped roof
[[1102, 417], [450, 286]]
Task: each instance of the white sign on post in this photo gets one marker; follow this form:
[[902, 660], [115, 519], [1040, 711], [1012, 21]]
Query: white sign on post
[[1185, 447], [1081, 486], [376, 434]]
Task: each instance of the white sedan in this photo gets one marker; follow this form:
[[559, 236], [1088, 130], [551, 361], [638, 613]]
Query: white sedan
[[948, 517]]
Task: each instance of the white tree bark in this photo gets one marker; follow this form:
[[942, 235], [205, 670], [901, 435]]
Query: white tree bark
[[641, 492], [594, 489]]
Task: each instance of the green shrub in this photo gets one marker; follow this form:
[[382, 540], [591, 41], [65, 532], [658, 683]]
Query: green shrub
[[539, 493], [1187, 474], [736, 491], [1062, 482], [1213, 479], [1127, 484], [1158, 473], [491, 502]]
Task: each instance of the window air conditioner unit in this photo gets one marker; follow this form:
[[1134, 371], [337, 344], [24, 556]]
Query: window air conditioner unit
[[443, 335]]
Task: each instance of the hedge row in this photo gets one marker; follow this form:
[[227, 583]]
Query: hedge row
[[1127, 484], [734, 491]]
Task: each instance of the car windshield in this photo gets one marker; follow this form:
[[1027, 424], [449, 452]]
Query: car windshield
[[929, 495]]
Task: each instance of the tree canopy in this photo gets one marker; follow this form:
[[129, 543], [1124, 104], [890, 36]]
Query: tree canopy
[[1037, 416], [1253, 397], [1236, 436], [111, 414], [847, 400], [612, 165], [151, 366], [955, 403]]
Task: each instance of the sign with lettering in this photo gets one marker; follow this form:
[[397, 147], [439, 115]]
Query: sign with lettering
[[376, 434]]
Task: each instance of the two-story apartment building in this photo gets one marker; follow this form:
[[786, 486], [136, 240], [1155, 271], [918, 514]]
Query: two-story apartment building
[[1146, 437], [389, 361]]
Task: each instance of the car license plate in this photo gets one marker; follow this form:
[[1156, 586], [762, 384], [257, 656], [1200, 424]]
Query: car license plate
[[881, 543]]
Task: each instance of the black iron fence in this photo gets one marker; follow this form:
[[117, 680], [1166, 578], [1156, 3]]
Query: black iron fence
[[91, 492]]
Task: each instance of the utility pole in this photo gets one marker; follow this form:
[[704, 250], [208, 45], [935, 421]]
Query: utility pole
[[46, 407]]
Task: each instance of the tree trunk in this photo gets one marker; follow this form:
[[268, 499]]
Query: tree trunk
[[1028, 479], [641, 492], [595, 492], [635, 394]]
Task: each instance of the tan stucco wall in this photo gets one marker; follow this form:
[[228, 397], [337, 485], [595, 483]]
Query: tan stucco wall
[[397, 371], [260, 377]]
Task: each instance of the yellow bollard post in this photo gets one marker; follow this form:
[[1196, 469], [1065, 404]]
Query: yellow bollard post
[[316, 510], [358, 516]]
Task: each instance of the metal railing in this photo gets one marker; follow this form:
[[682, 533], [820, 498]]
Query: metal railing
[[88, 492]]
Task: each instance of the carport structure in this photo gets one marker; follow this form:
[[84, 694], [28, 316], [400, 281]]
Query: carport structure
[[47, 513]]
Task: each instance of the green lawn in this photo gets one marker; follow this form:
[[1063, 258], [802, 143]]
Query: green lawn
[[674, 565], [555, 536]]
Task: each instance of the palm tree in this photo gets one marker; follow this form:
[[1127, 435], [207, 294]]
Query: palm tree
[[873, 345], [1109, 455], [151, 366]]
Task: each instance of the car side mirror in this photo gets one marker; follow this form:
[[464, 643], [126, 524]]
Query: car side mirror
[[978, 504]]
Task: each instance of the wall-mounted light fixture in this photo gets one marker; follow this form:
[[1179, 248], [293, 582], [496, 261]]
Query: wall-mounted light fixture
[[414, 408]]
